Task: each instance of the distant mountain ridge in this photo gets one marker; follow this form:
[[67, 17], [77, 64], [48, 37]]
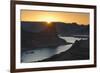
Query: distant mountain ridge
[[63, 29], [69, 29]]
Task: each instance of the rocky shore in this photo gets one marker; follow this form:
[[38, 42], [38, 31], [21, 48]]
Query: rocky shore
[[78, 51]]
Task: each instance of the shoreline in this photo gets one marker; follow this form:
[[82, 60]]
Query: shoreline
[[77, 52]]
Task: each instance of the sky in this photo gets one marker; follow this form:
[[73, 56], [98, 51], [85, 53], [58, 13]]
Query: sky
[[53, 16]]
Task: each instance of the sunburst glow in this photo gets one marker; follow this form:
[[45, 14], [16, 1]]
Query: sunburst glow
[[48, 22], [47, 16]]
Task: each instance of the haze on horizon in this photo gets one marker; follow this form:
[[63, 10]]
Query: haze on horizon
[[53, 16]]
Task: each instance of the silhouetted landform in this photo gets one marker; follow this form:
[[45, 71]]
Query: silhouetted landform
[[39, 35], [78, 51], [42, 34], [63, 29], [71, 29]]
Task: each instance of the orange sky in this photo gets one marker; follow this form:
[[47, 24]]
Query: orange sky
[[49, 16]]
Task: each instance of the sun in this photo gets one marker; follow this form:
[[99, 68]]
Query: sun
[[49, 19], [48, 22]]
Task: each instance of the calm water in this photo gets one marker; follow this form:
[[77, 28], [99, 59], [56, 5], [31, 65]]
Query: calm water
[[42, 53]]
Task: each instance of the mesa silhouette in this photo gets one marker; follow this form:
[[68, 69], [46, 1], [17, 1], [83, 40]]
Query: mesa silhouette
[[42, 34]]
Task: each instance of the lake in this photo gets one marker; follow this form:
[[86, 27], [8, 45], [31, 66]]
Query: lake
[[43, 53]]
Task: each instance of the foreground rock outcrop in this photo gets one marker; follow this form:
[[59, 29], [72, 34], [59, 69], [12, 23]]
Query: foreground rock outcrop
[[78, 51]]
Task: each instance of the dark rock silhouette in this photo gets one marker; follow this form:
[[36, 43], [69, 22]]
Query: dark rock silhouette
[[78, 51], [70, 29], [40, 37], [41, 34]]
